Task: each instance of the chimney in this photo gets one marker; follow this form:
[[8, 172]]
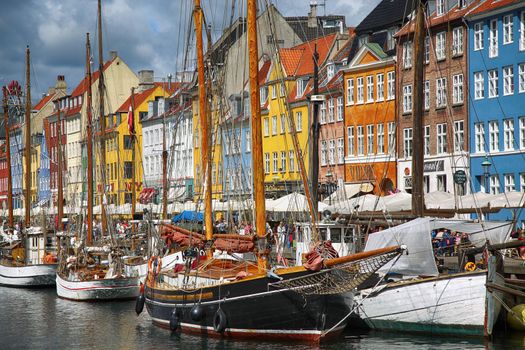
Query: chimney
[[312, 15], [60, 85], [145, 79], [112, 55]]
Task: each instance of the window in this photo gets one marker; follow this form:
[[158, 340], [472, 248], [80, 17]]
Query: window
[[407, 98], [331, 153], [127, 170], [299, 121], [440, 46], [427, 50], [330, 71], [340, 150], [331, 111], [522, 182], [407, 133], [427, 140], [459, 135], [457, 41], [323, 153], [266, 127], [283, 161], [493, 136], [275, 162], [323, 113], [263, 91], [508, 35], [493, 38], [442, 183], [351, 140], [380, 138], [283, 123], [282, 91], [478, 36], [380, 87], [370, 88], [479, 86], [360, 140], [391, 137], [391, 87], [127, 142], [508, 134], [522, 30], [370, 139], [462, 4], [267, 163], [521, 77], [301, 84], [274, 92], [493, 83], [291, 161], [522, 132], [426, 95], [340, 108], [457, 89], [349, 91], [248, 141], [360, 90], [441, 92], [440, 7], [442, 138], [274, 125], [494, 184], [510, 185], [508, 80], [407, 54]]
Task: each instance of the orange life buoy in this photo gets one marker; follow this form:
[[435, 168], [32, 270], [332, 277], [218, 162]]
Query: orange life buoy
[[159, 265], [470, 266]]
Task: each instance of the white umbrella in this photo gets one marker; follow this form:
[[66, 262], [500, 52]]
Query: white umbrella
[[508, 200], [400, 201]]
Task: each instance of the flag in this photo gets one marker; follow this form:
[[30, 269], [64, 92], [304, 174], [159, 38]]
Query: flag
[[131, 121]]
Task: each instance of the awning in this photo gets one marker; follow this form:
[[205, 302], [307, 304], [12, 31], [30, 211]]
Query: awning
[[146, 195], [348, 191]]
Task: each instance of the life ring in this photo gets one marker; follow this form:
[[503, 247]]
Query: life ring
[[151, 261], [219, 321], [470, 266]]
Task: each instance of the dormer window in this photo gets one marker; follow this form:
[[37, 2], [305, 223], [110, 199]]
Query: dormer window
[[462, 4], [330, 71], [363, 39], [440, 7], [390, 40], [301, 86]]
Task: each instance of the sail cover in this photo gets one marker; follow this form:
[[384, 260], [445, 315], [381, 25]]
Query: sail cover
[[415, 235]]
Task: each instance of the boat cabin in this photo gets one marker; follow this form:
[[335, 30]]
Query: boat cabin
[[36, 246]]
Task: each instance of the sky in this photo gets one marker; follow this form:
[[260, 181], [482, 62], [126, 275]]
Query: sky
[[147, 34]]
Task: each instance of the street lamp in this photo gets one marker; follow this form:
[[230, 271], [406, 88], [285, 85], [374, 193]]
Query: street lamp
[[486, 168]]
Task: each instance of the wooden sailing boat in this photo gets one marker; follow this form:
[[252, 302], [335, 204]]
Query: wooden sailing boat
[[80, 276], [23, 258], [221, 296]]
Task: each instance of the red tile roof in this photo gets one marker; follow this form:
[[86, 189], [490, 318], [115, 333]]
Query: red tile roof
[[263, 71], [489, 5], [43, 102], [142, 96]]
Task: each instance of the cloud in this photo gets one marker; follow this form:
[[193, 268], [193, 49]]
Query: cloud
[[147, 34]]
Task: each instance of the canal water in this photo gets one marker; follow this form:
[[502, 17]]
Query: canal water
[[38, 319]]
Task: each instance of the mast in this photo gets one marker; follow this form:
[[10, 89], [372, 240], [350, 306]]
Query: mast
[[205, 125], [60, 201], [315, 136], [132, 131], [102, 117], [28, 142], [257, 152], [164, 171], [89, 137], [418, 200], [8, 161]]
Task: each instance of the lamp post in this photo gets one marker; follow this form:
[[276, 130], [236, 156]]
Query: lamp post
[[329, 186], [486, 168]]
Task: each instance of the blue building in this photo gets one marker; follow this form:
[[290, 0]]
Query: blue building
[[496, 66], [44, 174], [17, 174]]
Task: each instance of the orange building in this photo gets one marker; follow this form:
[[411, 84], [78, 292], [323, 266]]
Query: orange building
[[369, 94]]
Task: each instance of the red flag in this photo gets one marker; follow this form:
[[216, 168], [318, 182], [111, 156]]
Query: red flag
[[131, 121]]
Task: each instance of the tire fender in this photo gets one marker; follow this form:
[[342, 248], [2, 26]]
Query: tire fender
[[219, 321]]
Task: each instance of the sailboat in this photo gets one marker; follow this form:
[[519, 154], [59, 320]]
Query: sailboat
[[218, 295], [24, 261]]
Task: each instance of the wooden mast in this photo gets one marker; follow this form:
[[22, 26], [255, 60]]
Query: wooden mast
[[418, 200], [164, 171], [257, 153], [8, 161], [60, 200], [205, 125], [132, 132], [89, 137], [102, 118], [28, 142], [315, 137]]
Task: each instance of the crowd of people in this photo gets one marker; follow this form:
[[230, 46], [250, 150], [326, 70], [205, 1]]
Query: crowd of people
[[446, 242]]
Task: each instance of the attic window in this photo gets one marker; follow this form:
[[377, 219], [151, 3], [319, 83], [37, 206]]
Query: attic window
[[301, 85], [331, 23], [363, 39], [440, 7], [462, 4], [330, 71]]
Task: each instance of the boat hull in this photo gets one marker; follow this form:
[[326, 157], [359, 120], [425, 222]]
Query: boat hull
[[42, 275], [453, 305], [252, 310], [101, 289]]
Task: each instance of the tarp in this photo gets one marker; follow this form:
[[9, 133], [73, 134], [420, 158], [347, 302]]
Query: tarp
[[294, 202], [188, 215], [347, 191]]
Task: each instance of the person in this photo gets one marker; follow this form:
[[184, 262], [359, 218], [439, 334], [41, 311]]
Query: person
[[521, 237], [281, 236]]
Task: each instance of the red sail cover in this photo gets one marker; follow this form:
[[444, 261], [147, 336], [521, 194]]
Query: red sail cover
[[232, 245], [315, 257]]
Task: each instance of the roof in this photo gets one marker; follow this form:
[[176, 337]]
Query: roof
[[263, 71], [297, 61], [387, 13], [491, 5], [43, 101], [140, 97], [300, 26], [377, 50], [82, 86]]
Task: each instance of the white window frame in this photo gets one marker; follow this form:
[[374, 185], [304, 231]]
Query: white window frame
[[427, 50], [267, 163], [391, 129], [360, 140], [493, 136], [283, 124], [274, 125], [457, 41], [459, 135], [441, 40], [340, 109], [360, 90], [349, 91], [441, 139], [521, 121], [341, 150], [291, 161], [522, 182], [440, 7], [508, 134], [323, 153], [407, 98], [350, 135], [493, 38], [370, 139], [266, 126], [323, 113], [391, 85], [479, 86], [407, 141], [478, 36], [331, 110], [426, 140], [493, 78], [407, 54], [275, 162], [380, 138], [508, 80], [426, 95], [299, 121], [380, 79], [522, 31], [283, 161], [331, 152], [441, 92], [479, 134], [369, 89], [521, 78], [457, 89], [494, 184], [509, 182], [274, 92], [508, 29]]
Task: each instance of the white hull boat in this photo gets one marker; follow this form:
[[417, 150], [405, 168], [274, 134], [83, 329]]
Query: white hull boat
[[98, 289], [41, 275]]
